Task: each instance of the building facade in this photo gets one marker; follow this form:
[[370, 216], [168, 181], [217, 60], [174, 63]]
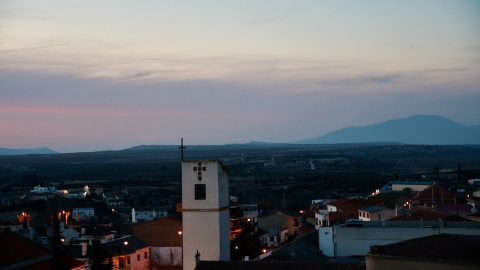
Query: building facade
[[205, 211]]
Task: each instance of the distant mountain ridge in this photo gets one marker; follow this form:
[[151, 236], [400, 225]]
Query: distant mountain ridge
[[417, 129], [11, 152]]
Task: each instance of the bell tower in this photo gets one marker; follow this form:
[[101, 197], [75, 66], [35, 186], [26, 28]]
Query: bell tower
[[205, 210]]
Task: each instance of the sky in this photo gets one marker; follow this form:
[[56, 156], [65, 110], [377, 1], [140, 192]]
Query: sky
[[80, 76]]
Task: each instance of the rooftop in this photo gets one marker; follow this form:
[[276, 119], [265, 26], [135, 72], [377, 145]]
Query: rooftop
[[372, 209], [447, 247], [275, 265]]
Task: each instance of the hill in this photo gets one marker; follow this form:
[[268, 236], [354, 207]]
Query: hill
[[9, 152], [418, 129]]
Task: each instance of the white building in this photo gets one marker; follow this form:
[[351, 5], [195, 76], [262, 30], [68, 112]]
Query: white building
[[205, 209], [42, 189], [84, 213], [345, 241], [148, 214], [375, 213]]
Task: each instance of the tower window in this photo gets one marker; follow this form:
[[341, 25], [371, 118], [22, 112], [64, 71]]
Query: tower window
[[200, 192]]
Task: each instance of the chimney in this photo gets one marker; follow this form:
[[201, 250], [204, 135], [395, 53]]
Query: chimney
[[84, 248]]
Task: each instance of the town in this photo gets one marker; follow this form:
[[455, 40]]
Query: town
[[243, 207]]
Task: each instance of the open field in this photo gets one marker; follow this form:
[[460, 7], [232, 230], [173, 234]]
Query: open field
[[257, 172]]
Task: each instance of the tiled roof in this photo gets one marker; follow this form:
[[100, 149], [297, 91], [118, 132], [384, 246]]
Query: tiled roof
[[114, 248], [412, 182], [279, 221], [372, 209], [274, 265], [427, 214], [161, 232], [439, 193], [446, 247], [304, 248], [15, 249], [19, 252]]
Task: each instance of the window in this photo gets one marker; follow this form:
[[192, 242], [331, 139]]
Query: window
[[138, 257], [128, 260], [200, 192], [145, 256]]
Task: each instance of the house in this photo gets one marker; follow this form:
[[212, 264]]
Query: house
[[274, 238], [115, 200], [340, 211], [37, 196], [282, 224], [147, 214], [345, 241], [127, 252], [406, 186], [44, 189], [83, 214], [22, 253], [12, 225], [303, 248], [165, 236], [41, 234], [440, 252], [434, 194], [374, 213], [241, 215]]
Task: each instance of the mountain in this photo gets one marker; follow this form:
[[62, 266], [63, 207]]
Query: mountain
[[417, 129], [11, 152]]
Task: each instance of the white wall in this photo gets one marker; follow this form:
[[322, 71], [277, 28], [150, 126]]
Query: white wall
[[344, 241], [206, 223]]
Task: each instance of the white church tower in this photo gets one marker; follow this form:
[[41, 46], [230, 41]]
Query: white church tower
[[205, 208]]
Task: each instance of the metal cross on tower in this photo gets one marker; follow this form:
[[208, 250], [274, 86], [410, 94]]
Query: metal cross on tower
[[181, 148]]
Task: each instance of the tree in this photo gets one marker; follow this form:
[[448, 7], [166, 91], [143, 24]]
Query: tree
[[98, 257], [56, 244], [247, 243]]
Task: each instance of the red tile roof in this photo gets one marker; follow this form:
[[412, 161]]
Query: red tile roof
[[435, 192], [348, 208], [19, 252], [161, 232]]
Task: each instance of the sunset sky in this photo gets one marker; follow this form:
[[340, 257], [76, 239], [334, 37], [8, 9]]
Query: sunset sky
[[107, 75]]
